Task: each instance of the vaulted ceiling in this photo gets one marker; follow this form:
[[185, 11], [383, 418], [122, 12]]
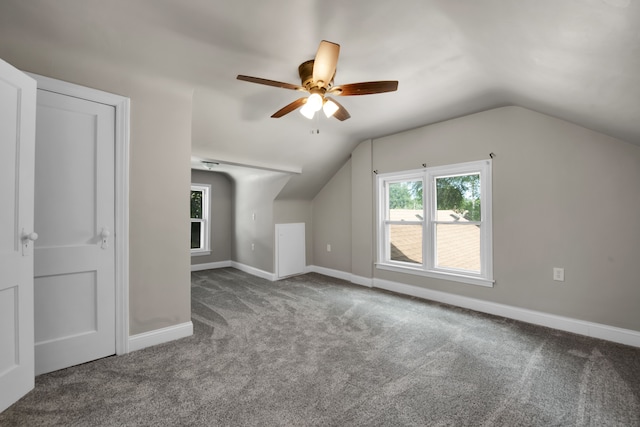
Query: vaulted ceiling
[[578, 60]]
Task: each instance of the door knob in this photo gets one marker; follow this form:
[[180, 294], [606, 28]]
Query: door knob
[[26, 238], [33, 236], [104, 234]]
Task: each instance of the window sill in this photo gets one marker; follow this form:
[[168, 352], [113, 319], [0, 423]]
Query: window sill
[[200, 253], [471, 280]]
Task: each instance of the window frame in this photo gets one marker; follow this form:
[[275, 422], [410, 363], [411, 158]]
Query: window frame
[[386, 223], [205, 233], [428, 267]]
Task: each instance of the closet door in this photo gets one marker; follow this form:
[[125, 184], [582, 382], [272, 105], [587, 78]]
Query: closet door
[[290, 249], [17, 136], [75, 215]]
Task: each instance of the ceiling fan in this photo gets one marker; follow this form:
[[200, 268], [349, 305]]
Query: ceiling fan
[[317, 79]]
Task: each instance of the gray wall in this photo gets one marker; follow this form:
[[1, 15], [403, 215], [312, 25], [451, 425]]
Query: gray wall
[[563, 196], [254, 224], [221, 221], [159, 278], [160, 137], [332, 222], [362, 190]]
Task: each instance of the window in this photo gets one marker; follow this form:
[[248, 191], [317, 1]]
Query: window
[[436, 222], [200, 208]]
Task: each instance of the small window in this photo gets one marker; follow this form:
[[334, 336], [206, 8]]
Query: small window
[[436, 222], [200, 208]]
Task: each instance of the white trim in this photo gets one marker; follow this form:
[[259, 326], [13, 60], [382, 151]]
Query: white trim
[[122, 132], [77, 91], [356, 280], [471, 280], [362, 281], [199, 253], [581, 327], [160, 336], [242, 267], [254, 271], [122, 226], [343, 275], [210, 265]]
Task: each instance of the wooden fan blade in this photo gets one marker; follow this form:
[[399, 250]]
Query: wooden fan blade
[[366, 88], [290, 107], [270, 82], [341, 114], [324, 65]]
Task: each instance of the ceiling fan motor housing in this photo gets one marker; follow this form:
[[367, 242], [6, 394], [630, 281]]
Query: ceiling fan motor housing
[[305, 70]]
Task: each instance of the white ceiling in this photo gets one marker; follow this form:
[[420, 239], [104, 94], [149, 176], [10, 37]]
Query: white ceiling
[[578, 60]]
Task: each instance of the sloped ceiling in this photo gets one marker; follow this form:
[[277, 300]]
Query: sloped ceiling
[[578, 60]]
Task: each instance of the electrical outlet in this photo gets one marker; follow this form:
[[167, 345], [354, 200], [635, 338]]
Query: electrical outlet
[[328, 247], [558, 274], [253, 247]]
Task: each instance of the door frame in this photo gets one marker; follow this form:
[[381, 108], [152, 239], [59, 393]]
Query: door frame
[[121, 232]]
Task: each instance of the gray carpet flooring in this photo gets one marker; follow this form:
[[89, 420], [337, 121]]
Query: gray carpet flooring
[[317, 351]]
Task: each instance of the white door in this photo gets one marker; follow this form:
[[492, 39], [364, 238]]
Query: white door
[[290, 249], [75, 211], [17, 130]]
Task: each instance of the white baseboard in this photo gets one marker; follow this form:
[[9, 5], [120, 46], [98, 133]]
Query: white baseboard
[[356, 280], [581, 327], [242, 267], [254, 271], [160, 336], [362, 281], [330, 272], [210, 265]]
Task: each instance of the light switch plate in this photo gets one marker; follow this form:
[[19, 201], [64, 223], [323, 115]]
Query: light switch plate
[[558, 274]]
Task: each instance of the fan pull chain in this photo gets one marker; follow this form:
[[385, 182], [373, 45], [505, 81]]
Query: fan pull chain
[[316, 131]]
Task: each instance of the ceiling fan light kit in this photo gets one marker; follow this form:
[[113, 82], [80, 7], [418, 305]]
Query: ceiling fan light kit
[[314, 101], [316, 77], [307, 111], [329, 107]]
